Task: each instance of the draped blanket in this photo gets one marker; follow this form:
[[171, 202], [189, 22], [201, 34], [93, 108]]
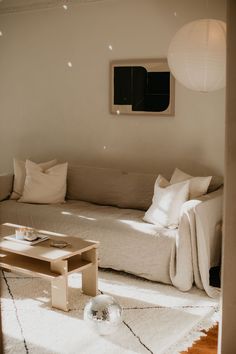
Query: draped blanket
[[198, 244]]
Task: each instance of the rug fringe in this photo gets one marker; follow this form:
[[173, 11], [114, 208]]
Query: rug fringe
[[195, 334]]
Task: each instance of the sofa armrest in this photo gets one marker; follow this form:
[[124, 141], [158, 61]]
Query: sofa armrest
[[204, 216], [6, 182], [206, 198], [208, 214]]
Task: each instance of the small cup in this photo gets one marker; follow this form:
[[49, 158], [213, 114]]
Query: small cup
[[20, 234]]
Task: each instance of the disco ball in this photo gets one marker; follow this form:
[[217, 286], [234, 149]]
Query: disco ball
[[103, 314]]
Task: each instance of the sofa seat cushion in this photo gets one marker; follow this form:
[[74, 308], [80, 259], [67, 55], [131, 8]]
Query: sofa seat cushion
[[127, 243]]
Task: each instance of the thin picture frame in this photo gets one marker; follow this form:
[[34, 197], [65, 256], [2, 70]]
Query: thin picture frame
[[151, 66]]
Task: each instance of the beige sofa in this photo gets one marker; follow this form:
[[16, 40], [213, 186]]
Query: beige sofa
[[108, 205]]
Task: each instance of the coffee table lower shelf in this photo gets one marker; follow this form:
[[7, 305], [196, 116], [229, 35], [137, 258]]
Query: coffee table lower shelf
[[57, 272]]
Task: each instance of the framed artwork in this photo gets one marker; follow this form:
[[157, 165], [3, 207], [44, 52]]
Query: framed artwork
[[144, 87]]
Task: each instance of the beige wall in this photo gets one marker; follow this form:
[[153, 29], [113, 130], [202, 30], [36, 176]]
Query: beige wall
[[227, 345], [50, 110]]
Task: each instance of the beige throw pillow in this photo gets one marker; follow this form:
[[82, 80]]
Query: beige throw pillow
[[198, 185], [167, 202], [44, 187], [20, 173]]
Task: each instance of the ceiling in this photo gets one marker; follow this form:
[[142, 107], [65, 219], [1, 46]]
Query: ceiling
[[9, 6]]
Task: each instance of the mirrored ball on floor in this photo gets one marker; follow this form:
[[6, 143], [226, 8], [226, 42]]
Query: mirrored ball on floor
[[103, 314]]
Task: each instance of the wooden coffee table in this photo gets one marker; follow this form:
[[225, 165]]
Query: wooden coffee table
[[52, 263]]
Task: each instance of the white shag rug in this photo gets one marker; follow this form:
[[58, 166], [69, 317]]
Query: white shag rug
[[157, 318]]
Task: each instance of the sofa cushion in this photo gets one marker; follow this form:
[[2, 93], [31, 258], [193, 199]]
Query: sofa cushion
[[167, 202], [198, 185], [20, 174], [44, 186], [216, 183], [113, 187]]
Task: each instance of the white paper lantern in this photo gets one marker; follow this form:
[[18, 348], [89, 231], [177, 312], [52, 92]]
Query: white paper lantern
[[197, 55]]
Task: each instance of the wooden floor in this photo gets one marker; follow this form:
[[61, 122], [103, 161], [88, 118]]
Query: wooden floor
[[206, 345]]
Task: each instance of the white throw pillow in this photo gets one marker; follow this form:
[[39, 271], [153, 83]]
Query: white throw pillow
[[198, 185], [161, 182], [20, 173], [167, 202], [44, 187]]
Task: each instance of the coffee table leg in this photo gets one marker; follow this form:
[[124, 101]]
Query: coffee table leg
[[90, 275], [59, 286]]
